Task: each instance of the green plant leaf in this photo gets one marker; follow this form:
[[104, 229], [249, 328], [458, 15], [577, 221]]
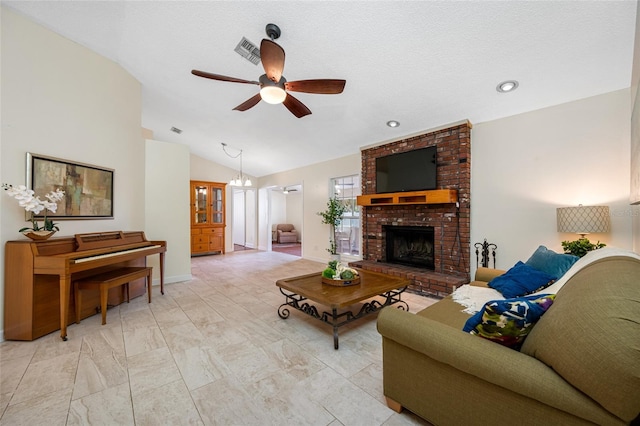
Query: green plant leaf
[[580, 247]]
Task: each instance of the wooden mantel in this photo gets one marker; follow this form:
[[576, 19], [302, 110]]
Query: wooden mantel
[[436, 196]]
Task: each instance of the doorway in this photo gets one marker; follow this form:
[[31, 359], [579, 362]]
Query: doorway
[[286, 207], [243, 218]]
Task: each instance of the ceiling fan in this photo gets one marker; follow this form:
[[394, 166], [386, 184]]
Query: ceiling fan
[[274, 87]]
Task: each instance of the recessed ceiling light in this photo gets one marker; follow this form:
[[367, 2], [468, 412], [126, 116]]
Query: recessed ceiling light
[[393, 123], [507, 86]]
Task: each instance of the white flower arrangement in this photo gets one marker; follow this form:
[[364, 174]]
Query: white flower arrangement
[[32, 203]]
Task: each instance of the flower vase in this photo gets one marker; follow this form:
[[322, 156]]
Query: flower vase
[[38, 235]]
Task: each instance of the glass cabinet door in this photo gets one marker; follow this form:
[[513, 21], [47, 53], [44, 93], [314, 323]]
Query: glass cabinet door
[[200, 205], [216, 205]]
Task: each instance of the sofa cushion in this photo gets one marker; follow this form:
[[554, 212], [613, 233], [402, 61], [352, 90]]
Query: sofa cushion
[[508, 322], [287, 227], [520, 280], [552, 263], [591, 334], [446, 311]]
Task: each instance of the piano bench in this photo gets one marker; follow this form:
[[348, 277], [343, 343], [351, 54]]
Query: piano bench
[[108, 280]]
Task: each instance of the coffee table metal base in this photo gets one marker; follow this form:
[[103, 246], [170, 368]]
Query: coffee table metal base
[[336, 319]]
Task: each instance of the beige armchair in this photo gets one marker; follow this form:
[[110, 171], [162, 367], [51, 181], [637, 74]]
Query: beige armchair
[[285, 233]]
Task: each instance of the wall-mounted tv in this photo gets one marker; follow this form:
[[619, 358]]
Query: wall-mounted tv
[[407, 171]]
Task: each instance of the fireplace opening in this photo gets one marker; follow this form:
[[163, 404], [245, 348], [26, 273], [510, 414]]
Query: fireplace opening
[[410, 245]]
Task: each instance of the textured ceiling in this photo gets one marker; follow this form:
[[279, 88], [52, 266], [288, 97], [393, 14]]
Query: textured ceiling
[[424, 64]]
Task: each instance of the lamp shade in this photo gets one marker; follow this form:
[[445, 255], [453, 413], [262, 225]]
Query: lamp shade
[[584, 219]]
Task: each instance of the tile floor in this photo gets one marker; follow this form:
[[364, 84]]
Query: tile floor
[[210, 351]]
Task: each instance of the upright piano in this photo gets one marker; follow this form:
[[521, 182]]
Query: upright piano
[[38, 295]]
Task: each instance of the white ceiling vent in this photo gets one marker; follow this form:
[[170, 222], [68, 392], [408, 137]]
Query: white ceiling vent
[[249, 51]]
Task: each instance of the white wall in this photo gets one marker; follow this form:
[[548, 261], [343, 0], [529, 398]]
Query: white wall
[[263, 218], [251, 218], [278, 208], [167, 208], [635, 123], [294, 211], [62, 100], [527, 165], [315, 180]]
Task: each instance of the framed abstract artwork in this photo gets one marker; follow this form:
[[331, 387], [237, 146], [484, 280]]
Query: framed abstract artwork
[[88, 189]]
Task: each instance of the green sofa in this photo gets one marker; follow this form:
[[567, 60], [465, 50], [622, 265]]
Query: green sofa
[[580, 364]]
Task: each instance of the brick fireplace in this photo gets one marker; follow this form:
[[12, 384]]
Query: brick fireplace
[[450, 223]]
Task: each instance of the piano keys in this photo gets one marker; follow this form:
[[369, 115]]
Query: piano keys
[[38, 276], [118, 253]]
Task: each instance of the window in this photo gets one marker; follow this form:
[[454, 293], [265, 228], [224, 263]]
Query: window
[[348, 237]]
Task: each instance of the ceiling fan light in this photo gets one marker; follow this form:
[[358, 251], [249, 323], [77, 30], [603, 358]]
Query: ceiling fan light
[[273, 94]]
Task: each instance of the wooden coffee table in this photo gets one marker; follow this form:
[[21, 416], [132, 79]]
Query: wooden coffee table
[[384, 289]]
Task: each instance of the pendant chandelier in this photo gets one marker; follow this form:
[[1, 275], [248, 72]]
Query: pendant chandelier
[[239, 180]]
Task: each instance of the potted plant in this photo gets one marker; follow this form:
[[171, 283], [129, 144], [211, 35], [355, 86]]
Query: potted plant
[[580, 247], [33, 204], [332, 216]]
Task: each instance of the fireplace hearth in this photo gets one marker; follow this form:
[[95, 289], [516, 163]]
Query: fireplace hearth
[[410, 245]]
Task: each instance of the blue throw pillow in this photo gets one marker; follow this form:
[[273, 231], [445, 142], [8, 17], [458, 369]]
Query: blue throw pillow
[[552, 263], [520, 280], [508, 322]]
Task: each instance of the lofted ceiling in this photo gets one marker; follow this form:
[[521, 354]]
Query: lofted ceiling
[[422, 63]]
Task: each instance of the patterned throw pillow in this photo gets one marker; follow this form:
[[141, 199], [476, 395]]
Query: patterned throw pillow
[[520, 280], [508, 322]]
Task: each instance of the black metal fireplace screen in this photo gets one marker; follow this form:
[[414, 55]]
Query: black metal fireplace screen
[[410, 245]]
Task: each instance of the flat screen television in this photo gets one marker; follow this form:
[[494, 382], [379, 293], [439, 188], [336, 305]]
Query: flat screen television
[[407, 171]]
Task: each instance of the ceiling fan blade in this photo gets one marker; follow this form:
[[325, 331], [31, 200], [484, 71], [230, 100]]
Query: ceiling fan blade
[[221, 77], [272, 57], [249, 103], [323, 86], [296, 107]]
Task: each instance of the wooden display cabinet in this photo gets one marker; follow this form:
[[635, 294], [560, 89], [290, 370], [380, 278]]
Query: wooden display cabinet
[[207, 217]]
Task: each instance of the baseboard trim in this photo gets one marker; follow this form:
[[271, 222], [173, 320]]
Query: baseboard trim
[[173, 279]]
